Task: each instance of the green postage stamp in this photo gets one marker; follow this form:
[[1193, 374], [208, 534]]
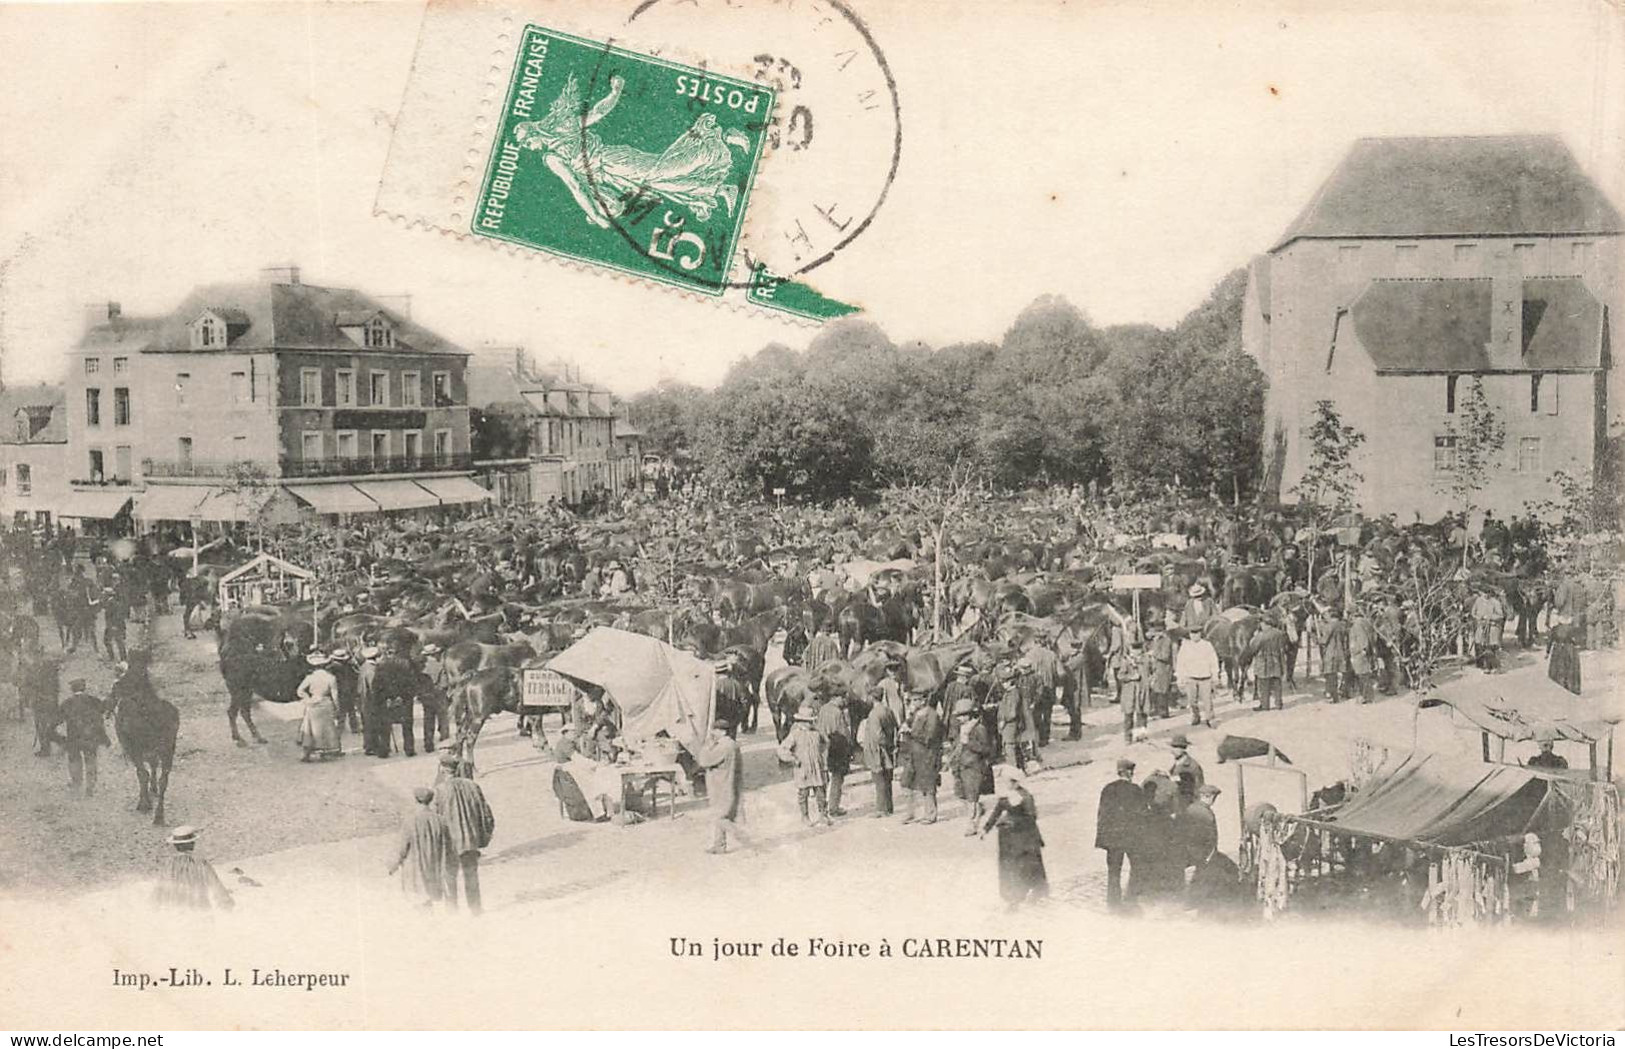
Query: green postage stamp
[[623, 160]]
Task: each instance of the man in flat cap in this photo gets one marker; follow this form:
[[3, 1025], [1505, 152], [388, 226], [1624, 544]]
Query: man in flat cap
[[461, 803], [1118, 825], [423, 853], [725, 784], [1197, 829]]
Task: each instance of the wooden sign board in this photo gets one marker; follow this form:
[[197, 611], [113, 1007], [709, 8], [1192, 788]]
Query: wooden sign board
[[1136, 582], [548, 689]]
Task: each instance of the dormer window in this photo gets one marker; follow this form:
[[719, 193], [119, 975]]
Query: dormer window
[[379, 334], [208, 331]]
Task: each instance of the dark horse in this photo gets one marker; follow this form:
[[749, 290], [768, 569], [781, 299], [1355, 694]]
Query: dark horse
[[146, 727], [254, 660]]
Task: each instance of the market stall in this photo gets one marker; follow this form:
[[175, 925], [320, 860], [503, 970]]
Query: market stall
[[1447, 842], [1543, 709], [266, 580], [664, 700]]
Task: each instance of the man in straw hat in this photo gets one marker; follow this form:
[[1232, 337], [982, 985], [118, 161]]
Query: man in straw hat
[[804, 749], [187, 879], [1199, 608], [1548, 758]]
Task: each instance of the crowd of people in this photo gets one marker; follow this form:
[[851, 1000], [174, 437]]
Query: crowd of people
[[1246, 599]]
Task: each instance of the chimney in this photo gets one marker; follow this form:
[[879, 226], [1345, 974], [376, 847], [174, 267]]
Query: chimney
[[293, 274], [290, 273], [114, 310]]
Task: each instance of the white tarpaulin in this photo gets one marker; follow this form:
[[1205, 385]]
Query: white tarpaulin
[[657, 687]]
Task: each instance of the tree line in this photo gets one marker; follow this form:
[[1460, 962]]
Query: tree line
[[1133, 408]]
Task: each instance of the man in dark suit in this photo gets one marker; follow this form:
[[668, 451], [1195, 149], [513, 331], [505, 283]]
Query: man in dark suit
[[1118, 824], [1198, 829]]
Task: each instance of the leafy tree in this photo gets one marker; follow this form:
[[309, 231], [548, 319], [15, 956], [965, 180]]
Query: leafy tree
[[936, 507], [669, 415], [1329, 479], [500, 431], [786, 436], [1478, 434]]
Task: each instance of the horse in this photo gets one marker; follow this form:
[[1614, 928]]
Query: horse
[[251, 670], [487, 691], [861, 623], [146, 727], [1230, 632]]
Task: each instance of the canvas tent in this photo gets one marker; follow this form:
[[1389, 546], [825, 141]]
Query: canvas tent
[[1426, 798], [658, 688], [1542, 706]]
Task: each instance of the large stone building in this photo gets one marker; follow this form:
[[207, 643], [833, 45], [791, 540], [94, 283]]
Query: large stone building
[[1421, 266], [576, 444], [33, 455], [265, 400]]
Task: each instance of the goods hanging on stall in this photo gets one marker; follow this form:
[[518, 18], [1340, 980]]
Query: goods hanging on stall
[[1449, 842]]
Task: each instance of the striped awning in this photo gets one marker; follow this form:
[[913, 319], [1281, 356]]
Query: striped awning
[[333, 498], [397, 495], [95, 505], [450, 490]]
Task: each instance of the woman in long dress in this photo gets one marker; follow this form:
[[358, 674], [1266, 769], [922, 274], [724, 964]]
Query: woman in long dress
[[1021, 846], [319, 731]]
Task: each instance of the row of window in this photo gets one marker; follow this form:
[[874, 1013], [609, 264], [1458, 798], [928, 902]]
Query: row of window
[[1446, 454], [121, 406], [1465, 255], [24, 475], [1542, 394], [93, 365], [97, 464], [380, 444], [553, 436], [378, 388]]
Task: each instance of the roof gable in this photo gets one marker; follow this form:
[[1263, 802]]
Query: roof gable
[[270, 316], [1456, 186], [1444, 325]]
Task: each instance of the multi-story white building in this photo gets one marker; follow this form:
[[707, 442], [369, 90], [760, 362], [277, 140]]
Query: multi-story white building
[[33, 455], [265, 400]]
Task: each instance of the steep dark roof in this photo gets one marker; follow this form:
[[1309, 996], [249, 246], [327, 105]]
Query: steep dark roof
[[38, 400], [266, 316], [1457, 185], [1443, 325], [1562, 324]]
